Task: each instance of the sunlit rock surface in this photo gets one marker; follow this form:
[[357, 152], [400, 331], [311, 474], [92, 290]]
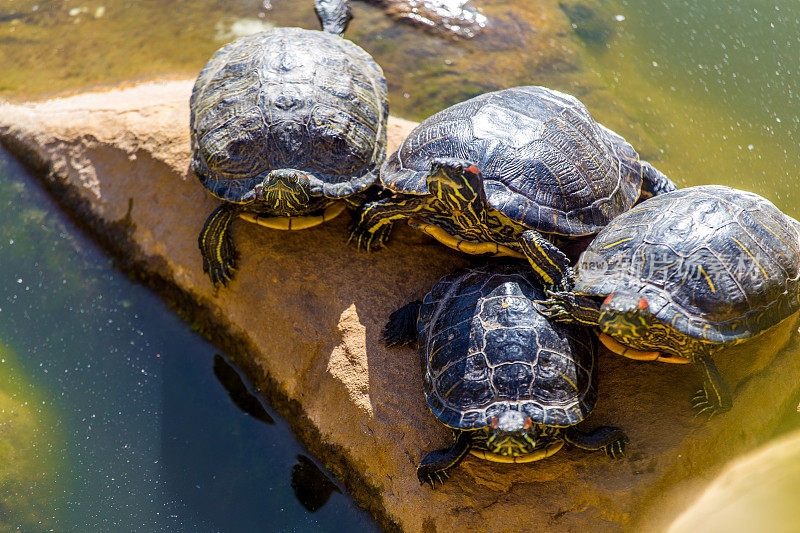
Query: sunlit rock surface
[[757, 492], [303, 319]]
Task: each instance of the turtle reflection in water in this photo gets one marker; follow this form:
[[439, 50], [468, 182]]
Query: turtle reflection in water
[[510, 384], [684, 274], [287, 129], [311, 486], [239, 392], [507, 172]]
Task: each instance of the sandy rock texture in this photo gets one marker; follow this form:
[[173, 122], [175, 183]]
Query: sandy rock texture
[[303, 319]]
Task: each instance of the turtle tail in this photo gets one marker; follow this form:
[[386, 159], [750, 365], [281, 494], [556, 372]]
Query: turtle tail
[[334, 15]]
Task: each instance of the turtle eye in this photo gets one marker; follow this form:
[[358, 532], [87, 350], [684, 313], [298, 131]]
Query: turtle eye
[[643, 304], [494, 422], [528, 423]]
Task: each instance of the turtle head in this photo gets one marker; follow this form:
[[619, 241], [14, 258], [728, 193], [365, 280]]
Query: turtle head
[[334, 15], [455, 182], [625, 316], [458, 186], [283, 191], [511, 434]]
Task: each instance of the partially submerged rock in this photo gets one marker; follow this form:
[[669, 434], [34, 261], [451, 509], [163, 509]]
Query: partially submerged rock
[[455, 18], [303, 319]]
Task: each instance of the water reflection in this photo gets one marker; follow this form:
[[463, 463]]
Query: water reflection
[[112, 417], [239, 391], [311, 486]]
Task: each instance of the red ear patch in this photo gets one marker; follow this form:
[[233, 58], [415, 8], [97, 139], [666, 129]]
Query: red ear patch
[[473, 169], [494, 422], [608, 298], [528, 422], [643, 303]]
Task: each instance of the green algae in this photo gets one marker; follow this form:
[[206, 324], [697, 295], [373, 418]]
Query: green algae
[[29, 450], [705, 91]]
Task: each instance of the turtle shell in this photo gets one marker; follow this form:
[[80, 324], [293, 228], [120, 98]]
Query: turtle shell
[[290, 98], [485, 349], [715, 263], [546, 163]]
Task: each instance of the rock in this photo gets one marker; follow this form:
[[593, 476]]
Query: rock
[[590, 19], [451, 18], [303, 319], [523, 43], [756, 492]]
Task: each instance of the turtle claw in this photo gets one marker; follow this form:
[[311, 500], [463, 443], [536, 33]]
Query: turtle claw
[[401, 329], [557, 306], [616, 450], [709, 409], [220, 273], [702, 405], [428, 479], [216, 246], [369, 240], [434, 478], [699, 396]]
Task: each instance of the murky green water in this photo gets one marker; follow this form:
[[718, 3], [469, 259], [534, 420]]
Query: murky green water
[[708, 91], [112, 412]]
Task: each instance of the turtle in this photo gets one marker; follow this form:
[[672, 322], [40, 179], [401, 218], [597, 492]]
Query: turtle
[[510, 173], [685, 274], [511, 384], [288, 129]]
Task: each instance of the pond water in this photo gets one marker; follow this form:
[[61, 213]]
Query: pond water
[[123, 419], [710, 91], [113, 413]]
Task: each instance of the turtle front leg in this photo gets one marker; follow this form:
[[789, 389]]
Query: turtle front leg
[[570, 308], [402, 326], [715, 396], [609, 439], [549, 263], [216, 244], [654, 182], [374, 222], [435, 465]]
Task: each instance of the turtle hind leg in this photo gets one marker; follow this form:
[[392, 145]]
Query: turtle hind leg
[[436, 465], [715, 396], [609, 439], [334, 15], [654, 182], [549, 263], [216, 244], [402, 326]]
